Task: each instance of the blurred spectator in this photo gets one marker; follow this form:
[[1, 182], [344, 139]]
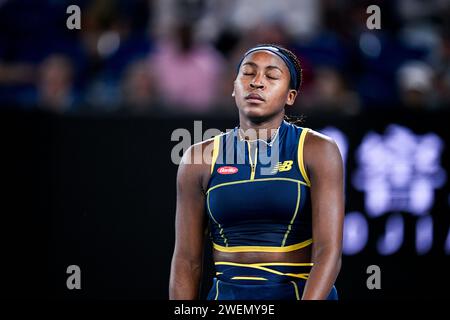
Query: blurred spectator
[[137, 89], [412, 11], [415, 80], [170, 13], [187, 73], [55, 84], [300, 18], [329, 93], [442, 65], [16, 73], [426, 26], [201, 41], [114, 35]]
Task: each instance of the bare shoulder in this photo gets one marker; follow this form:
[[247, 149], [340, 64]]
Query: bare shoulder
[[319, 142], [317, 138], [196, 163], [320, 150], [199, 153]]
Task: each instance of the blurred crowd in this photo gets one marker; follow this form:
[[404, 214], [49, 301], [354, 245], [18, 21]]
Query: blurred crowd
[[180, 56]]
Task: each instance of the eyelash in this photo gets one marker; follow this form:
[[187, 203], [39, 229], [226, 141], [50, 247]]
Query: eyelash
[[249, 74]]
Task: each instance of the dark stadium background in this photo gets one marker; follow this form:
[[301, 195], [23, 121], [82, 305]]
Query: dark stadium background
[[88, 179]]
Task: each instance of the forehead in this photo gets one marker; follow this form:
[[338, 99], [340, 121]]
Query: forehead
[[265, 58]]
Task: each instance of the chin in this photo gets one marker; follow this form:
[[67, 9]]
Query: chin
[[256, 116], [253, 111]]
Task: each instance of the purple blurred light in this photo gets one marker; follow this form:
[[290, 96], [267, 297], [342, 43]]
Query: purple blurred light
[[392, 239], [356, 233], [424, 234], [399, 171]]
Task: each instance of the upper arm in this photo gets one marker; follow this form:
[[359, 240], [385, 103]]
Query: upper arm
[[325, 169], [190, 209]]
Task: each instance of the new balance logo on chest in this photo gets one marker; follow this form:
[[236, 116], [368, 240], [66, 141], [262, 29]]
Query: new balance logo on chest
[[283, 166]]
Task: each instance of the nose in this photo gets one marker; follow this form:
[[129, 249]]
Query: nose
[[256, 85], [256, 82]]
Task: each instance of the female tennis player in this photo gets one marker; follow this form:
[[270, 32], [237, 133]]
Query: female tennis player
[[269, 192]]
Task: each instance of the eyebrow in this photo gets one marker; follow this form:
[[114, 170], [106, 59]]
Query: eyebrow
[[255, 65]]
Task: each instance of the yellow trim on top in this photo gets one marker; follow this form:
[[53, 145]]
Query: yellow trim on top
[[299, 275], [296, 290], [247, 278], [262, 248], [301, 164], [218, 224], [261, 264], [295, 275], [217, 290], [215, 151], [256, 180], [253, 166], [293, 218]]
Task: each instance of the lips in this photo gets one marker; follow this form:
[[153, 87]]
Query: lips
[[254, 96]]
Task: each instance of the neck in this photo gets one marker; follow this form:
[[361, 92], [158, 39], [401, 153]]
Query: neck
[[264, 130]]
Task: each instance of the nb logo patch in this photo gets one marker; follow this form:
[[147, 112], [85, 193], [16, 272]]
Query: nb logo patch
[[283, 166]]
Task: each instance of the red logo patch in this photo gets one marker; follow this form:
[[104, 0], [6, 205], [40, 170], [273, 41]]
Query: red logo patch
[[227, 170]]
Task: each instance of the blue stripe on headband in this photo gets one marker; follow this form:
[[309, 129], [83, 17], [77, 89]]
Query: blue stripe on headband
[[286, 59]]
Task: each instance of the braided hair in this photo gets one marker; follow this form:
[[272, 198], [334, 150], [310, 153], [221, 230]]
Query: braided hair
[[295, 61]]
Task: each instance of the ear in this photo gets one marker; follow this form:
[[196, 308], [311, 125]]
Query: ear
[[292, 94], [233, 93]]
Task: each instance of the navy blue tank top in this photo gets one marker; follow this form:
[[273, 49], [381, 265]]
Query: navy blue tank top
[[258, 196]]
